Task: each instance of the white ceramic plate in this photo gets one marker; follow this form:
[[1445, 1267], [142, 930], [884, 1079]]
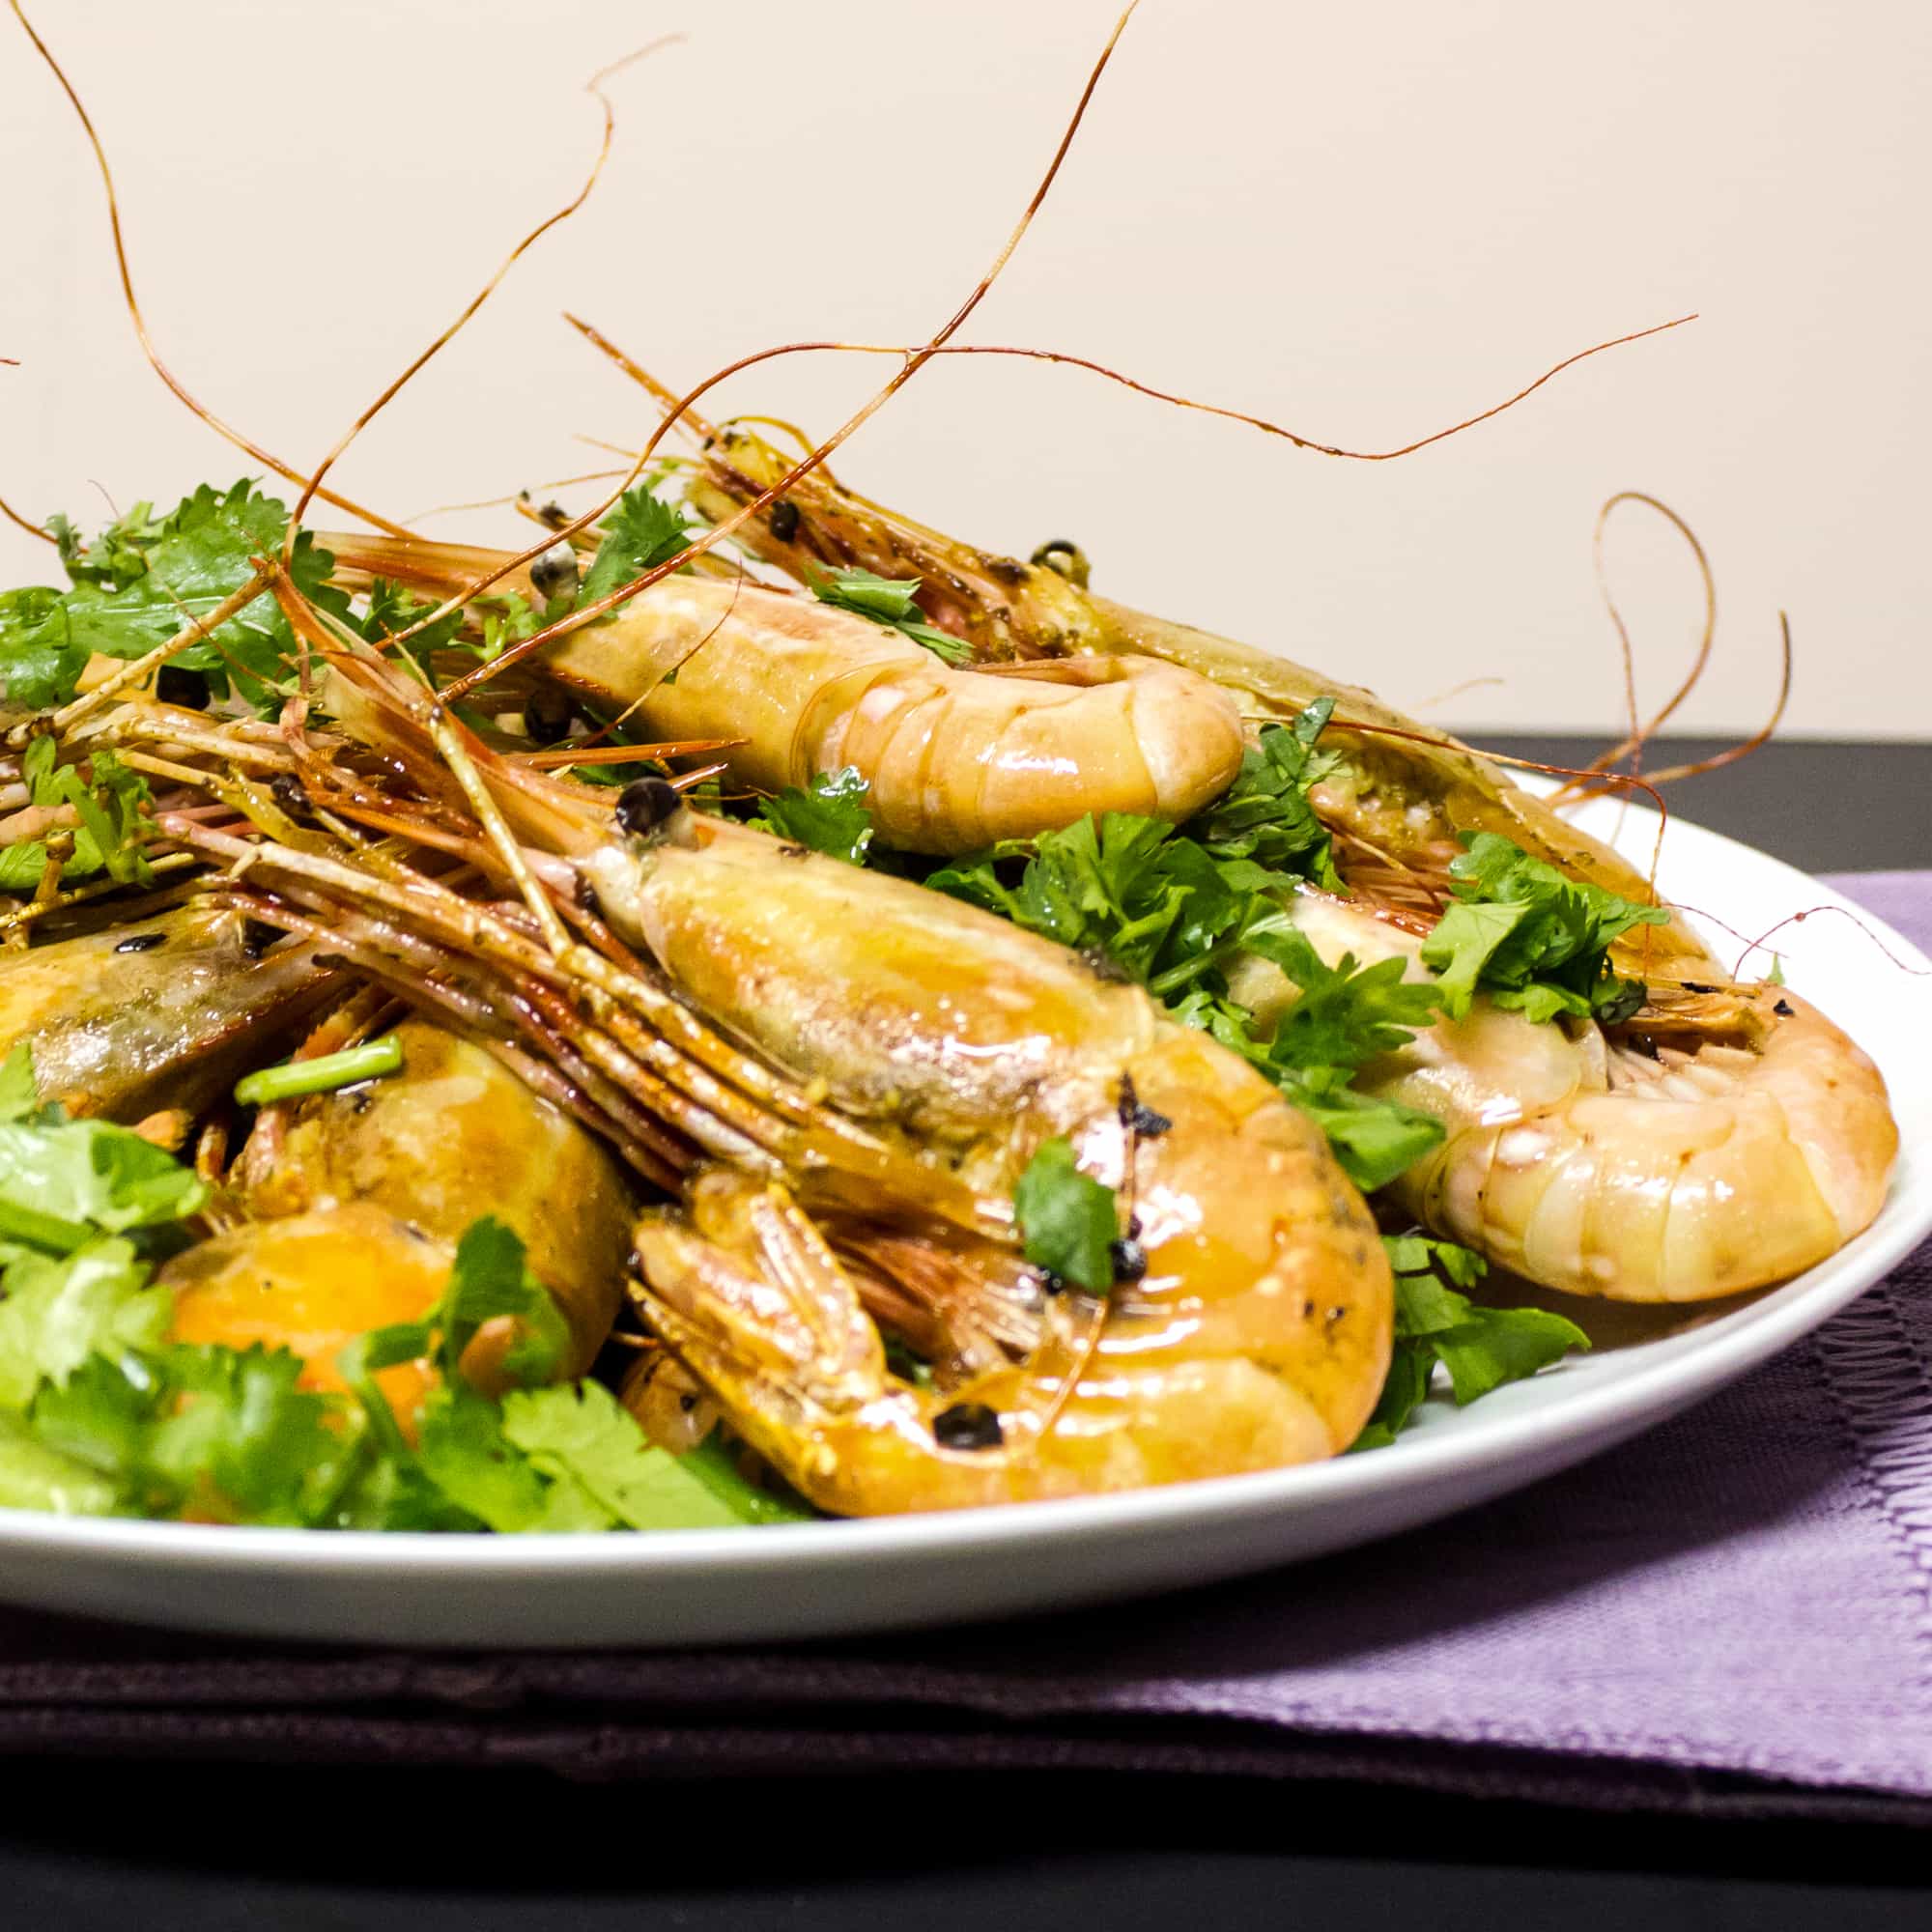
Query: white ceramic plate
[[814, 1580]]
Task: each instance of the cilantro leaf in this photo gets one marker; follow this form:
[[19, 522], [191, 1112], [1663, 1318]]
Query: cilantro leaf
[[488, 1281], [92, 1172], [58, 1311], [1481, 1348], [40, 657], [33, 1476], [18, 1093], [581, 1433], [1346, 1013], [219, 1433], [830, 816], [640, 532], [1373, 1140], [1067, 1219], [467, 1455], [1533, 937], [889, 601], [202, 552], [242, 1436], [117, 556], [392, 609], [1265, 816]]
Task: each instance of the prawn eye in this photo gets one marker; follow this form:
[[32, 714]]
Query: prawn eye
[[967, 1425], [1067, 558], [555, 572], [644, 804]]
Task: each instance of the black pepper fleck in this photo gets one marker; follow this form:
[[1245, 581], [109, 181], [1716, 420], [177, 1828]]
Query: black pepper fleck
[[967, 1425], [1783, 1008], [142, 942], [546, 715], [785, 521], [1130, 1259], [287, 792]]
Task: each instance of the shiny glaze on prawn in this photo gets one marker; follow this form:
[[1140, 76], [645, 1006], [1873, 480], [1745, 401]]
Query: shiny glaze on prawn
[[1722, 1140], [955, 758], [358, 1199], [1259, 1335], [161, 1012]]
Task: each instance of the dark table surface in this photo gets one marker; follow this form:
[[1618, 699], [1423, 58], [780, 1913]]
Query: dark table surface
[[87, 1842]]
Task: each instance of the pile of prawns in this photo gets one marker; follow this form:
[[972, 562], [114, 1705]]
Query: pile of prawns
[[779, 1104]]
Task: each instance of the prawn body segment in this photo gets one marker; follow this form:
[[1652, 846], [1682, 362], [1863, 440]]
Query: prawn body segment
[[955, 759]]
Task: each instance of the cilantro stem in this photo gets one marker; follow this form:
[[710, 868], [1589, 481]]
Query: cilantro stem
[[44, 1230], [327, 1071]]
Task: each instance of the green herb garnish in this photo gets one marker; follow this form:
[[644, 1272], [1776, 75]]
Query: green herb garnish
[[888, 601], [1067, 1219], [830, 815], [322, 1075], [1532, 938], [1481, 1348]]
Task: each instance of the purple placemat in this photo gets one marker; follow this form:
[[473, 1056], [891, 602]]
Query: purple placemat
[[1730, 1614]]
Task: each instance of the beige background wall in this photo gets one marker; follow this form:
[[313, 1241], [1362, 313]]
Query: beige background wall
[[1365, 221]]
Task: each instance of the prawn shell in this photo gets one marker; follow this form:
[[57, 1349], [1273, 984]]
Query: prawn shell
[[166, 1011], [955, 758], [312, 1284], [456, 1135]]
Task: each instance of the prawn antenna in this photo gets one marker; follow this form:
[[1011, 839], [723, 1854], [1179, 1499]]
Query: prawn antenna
[[594, 86], [224, 429], [705, 430], [911, 366], [32, 530]]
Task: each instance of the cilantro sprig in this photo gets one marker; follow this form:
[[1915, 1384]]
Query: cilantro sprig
[[108, 806], [889, 601], [1531, 937], [828, 815], [1178, 908], [640, 532], [1480, 1347], [1067, 1220]]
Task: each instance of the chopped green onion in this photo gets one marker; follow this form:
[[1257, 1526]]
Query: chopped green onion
[[318, 1075]]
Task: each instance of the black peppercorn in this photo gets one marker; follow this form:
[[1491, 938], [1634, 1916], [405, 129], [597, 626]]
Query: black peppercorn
[[1130, 1258], [142, 942], [967, 1425], [547, 714], [785, 521]]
